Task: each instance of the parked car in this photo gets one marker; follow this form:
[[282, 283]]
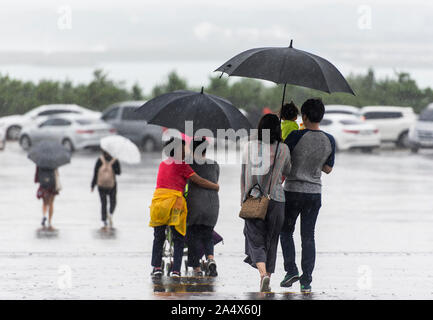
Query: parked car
[[2, 137], [129, 124], [341, 109], [393, 122], [73, 131], [350, 132], [421, 133], [13, 124]]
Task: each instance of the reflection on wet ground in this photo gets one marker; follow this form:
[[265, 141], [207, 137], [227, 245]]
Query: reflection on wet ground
[[105, 233], [373, 234], [44, 233], [165, 286]]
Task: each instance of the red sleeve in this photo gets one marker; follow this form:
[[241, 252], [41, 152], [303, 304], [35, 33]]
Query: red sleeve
[[186, 171]]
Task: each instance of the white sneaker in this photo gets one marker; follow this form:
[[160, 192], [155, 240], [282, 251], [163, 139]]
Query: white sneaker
[[110, 220]]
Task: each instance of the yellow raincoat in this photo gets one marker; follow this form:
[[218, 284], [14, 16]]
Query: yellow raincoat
[[168, 208]]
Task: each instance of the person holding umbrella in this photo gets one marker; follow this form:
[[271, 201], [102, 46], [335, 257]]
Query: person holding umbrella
[[48, 157], [49, 187], [104, 176], [261, 235], [114, 148], [168, 207], [313, 152]]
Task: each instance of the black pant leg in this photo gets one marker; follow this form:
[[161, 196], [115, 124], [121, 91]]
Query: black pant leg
[[158, 245], [207, 240], [179, 245], [103, 198], [309, 215], [113, 199], [293, 205]]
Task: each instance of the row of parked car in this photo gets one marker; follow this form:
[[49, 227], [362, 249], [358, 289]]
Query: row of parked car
[[369, 126], [77, 127], [399, 125]]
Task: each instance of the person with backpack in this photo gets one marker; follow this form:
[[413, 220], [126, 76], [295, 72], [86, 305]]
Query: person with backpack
[[106, 169], [49, 187]]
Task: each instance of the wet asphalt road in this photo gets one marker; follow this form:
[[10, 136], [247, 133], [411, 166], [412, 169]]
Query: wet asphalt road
[[374, 234]]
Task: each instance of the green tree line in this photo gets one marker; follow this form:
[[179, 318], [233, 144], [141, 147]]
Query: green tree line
[[18, 96]]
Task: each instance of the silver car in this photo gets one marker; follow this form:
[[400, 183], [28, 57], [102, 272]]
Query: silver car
[[74, 132], [128, 123], [2, 137]]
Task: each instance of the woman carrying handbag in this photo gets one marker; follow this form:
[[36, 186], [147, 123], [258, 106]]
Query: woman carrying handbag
[[265, 161]]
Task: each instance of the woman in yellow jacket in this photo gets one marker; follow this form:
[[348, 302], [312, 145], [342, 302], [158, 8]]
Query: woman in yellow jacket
[[168, 206]]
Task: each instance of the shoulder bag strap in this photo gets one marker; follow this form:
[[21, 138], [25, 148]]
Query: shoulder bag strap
[[273, 166]]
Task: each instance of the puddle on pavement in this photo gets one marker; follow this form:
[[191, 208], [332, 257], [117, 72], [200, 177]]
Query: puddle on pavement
[[44, 233], [101, 233]]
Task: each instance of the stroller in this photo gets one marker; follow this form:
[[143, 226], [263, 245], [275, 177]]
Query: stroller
[[168, 250]]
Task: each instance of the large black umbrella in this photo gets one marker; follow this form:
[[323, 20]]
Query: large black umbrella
[[49, 154], [206, 111], [287, 65]]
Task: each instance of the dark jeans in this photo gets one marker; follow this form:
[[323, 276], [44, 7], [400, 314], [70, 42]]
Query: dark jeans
[[307, 205], [200, 241], [158, 245], [103, 194]]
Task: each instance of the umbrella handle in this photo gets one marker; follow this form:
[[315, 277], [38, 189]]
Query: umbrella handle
[[284, 95]]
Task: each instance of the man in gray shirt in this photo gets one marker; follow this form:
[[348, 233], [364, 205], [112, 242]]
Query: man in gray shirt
[[312, 151]]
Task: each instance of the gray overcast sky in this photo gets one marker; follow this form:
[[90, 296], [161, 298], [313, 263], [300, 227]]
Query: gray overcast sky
[[40, 32]]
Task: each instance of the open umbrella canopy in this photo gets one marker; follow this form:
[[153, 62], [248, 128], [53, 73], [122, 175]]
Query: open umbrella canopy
[[49, 154], [206, 111], [287, 65], [121, 148]]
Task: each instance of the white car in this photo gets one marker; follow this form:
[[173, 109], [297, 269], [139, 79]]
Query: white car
[[2, 137], [421, 133], [350, 132], [73, 131], [393, 122], [341, 109], [13, 124]]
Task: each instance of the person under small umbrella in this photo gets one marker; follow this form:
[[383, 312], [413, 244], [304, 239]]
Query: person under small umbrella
[[49, 188], [48, 157], [104, 176]]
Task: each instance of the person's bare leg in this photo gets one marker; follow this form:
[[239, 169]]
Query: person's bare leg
[[264, 277], [51, 212], [44, 211], [261, 266], [210, 257]]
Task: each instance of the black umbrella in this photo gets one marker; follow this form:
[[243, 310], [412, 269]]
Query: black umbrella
[[49, 154], [287, 65], [207, 111]]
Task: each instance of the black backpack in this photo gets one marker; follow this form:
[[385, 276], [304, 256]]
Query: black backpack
[[47, 178]]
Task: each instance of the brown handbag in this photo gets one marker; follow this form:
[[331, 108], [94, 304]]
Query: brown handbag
[[257, 207]]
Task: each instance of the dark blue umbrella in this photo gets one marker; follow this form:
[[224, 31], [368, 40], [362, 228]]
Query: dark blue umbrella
[[287, 65], [49, 154]]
